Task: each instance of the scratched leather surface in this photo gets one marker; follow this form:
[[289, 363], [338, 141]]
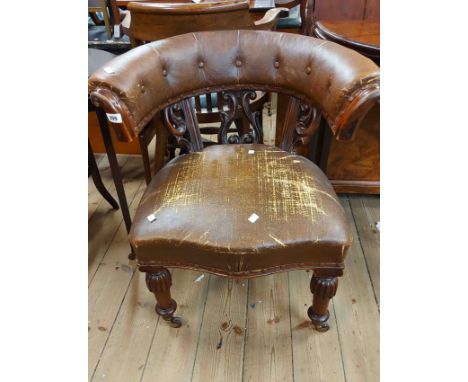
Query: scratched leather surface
[[150, 77], [202, 202]]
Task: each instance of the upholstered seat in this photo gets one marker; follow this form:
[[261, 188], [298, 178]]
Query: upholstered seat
[[239, 210], [202, 203]]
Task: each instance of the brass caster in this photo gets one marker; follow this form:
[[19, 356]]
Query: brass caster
[[319, 321], [174, 322], [322, 328]]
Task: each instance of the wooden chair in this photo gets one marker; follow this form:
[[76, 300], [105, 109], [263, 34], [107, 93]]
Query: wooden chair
[[100, 6], [297, 21], [93, 171], [239, 210], [155, 21], [97, 59]]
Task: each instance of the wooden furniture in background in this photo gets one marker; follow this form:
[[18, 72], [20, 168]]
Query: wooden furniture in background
[[93, 171], [100, 6], [298, 20], [96, 59], [257, 9], [156, 21], [360, 35], [346, 10], [351, 166], [354, 167]]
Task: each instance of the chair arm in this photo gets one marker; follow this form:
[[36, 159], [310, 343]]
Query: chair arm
[[269, 21]]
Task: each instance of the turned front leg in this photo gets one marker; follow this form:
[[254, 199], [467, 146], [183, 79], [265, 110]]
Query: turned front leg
[[159, 283], [323, 286]]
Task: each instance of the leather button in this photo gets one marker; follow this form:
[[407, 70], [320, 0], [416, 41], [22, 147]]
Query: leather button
[[276, 64], [308, 70], [238, 63], [201, 64], [164, 72]]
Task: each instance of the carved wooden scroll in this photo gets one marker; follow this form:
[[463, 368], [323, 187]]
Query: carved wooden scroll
[[301, 123], [236, 100], [182, 123]]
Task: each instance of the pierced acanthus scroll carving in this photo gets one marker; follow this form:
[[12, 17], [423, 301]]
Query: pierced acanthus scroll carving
[[182, 123], [236, 100], [307, 123], [301, 123], [175, 122]]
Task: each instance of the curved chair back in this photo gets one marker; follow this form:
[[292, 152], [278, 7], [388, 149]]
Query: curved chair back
[[339, 83]]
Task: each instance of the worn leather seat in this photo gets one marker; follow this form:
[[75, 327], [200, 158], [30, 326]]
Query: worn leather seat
[[202, 203]]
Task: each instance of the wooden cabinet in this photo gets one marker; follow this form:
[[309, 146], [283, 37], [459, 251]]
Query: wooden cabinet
[[354, 166]]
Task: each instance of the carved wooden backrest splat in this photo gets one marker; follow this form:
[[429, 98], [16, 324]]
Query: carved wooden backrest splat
[[302, 121]]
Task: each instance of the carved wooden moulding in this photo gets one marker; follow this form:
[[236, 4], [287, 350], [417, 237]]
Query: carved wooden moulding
[[181, 121]]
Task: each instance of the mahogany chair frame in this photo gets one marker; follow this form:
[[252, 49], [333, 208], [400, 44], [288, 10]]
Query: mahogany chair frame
[[356, 97]]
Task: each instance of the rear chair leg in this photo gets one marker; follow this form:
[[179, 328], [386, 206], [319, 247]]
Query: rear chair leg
[[159, 283], [323, 286]]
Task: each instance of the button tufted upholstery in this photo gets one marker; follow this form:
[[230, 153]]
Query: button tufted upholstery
[[199, 211], [323, 73]]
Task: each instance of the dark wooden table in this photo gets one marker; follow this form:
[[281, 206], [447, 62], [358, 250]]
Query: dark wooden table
[[360, 35]]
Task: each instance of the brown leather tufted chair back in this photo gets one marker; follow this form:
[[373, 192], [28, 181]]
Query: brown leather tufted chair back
[[341, 84]]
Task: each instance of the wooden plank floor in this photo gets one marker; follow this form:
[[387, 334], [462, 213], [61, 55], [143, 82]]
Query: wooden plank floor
[[248, 330]]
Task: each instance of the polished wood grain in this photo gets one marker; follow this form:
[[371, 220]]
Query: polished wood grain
[[254, 5], [362, 36], [355, 166], [358, 31], [127, 342], [347, 10]]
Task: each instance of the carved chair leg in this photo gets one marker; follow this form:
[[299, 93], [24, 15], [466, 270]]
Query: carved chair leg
[[159, 283], [323, 286]]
